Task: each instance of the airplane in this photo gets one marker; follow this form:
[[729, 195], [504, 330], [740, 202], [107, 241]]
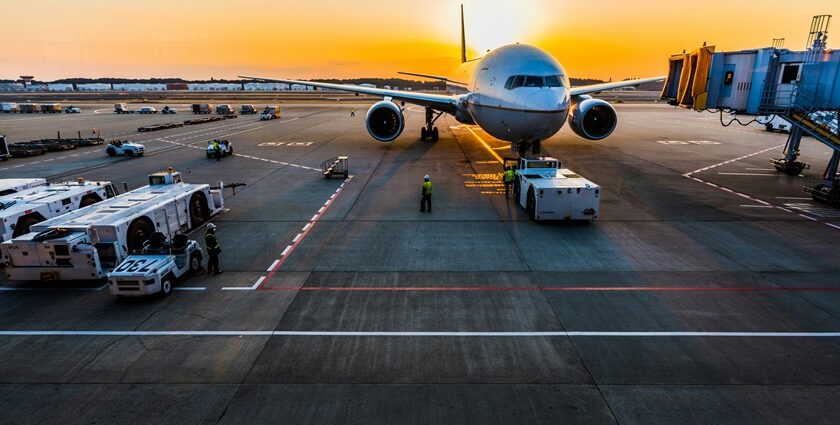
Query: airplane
[[516, 93]]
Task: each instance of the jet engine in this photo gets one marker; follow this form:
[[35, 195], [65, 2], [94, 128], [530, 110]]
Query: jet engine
[[592, 119], [384, 121]]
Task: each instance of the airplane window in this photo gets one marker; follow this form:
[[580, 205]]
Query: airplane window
[[532, 81], [514, 82], [554, 81], [509, 82]]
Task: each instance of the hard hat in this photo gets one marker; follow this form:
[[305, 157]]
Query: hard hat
[[211, 226], [426, 177]]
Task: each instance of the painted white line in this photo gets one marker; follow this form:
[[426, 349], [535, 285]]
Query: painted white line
[[808, 217], [756, 206], [760, 169], [272, 265], [748, 174], [793, 197], [189, 288], [731, 160], [314, 217], [439, 334], [833, 225], [305, 228], [285, 251], [296, 238]]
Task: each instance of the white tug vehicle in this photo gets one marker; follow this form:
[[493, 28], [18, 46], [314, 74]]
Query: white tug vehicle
[[155, 267], [120, 148], [548, 192]]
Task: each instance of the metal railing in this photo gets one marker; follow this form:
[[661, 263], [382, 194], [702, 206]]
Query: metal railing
[[803, 106]]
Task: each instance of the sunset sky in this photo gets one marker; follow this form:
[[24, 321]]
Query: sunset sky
[[376, 38]]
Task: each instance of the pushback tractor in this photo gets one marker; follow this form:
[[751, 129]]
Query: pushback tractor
[[21, 210], [548, 192], [90, 242]]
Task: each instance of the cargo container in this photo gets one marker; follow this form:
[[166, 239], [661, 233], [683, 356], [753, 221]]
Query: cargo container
[[30, 108], [202, 108], [122, 108], [51, 108], [9, 107]]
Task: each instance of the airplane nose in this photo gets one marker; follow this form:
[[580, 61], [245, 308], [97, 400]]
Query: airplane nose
[[545, 101], [547, 110]]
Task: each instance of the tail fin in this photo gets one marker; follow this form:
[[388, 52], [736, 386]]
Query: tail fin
[[463, 38]]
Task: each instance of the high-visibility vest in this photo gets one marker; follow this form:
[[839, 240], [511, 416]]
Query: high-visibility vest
[[508, 175], [427, 188], [211, 241], [216, 146]]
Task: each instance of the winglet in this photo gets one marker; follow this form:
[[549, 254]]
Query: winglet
[[463, 38]]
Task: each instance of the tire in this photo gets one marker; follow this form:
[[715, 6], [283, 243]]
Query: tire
[[423, 134], [198, 209], [531, 204], [230, 151], [138, 232], [111, 152], [166, 285], [195, 262], [129, 153], [89, 200], [768, 127], [23, 225], [435, 134]]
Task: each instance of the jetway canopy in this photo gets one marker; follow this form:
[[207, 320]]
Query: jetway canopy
[[759, 81]]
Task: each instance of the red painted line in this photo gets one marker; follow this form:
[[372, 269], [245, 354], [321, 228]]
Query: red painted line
[[299, 238], [553, 289]]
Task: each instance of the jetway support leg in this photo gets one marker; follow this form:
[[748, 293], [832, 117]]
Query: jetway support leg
[[789, 164], [829, 190]]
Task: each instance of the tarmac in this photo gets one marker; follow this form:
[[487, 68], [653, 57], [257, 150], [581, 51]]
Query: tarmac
[[706, 292]]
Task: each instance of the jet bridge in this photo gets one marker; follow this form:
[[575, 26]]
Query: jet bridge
[[802, 87]]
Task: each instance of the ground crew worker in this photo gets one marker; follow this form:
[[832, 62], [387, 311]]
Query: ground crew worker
[[217, 149], [352, 112], [213, 249], [426, 197], [507, 177]]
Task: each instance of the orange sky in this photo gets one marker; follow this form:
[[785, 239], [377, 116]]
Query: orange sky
[[375, 38]]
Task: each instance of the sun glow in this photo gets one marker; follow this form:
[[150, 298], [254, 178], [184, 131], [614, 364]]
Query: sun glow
[[494, 23]]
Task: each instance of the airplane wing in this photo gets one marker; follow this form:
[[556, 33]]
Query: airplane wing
[[594, 88], [440, 102]]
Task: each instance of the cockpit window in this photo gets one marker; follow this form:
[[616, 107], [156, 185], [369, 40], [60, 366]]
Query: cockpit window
[[536, 81]]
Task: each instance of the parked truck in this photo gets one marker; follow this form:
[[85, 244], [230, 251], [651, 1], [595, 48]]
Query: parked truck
[[21, 210], [225, 109], [90, 242], [247, 109], [122, 108], [9, 107], [202, 108], [548, 192]]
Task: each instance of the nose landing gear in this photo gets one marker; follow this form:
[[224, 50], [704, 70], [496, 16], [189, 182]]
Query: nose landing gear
[[430, 131], [521, 147]]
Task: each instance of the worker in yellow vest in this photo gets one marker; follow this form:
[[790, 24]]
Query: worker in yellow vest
[[507, 177], [426, 197]]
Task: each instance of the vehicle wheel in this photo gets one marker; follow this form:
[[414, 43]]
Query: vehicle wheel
[[138, 232], [166, 285], [88, 200], [423, 134], [435, 134], [230, 152], [111, 152], [23, 225], [198, 209], [531, 205], [195, 262], [768, 127], [129, 153]]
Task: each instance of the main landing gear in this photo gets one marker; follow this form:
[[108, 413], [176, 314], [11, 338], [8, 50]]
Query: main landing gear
[[430, 131], [522, 147]]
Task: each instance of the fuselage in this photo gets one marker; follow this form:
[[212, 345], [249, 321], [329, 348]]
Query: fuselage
[[515, 93]]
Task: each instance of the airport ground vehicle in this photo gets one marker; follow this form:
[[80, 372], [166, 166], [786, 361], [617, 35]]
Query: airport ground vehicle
[[155, 267], [8, 186], [4, 149], [224, 146], [122, 108], [247, 109], [51, 108], [147, 110], [89, 242], [270, 112], [29, 108], [202, 108], [20, 210], [225, 109], [120, 148], [548, 192], [774, 123], [9, 107], [72, 110], [167, 110]]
